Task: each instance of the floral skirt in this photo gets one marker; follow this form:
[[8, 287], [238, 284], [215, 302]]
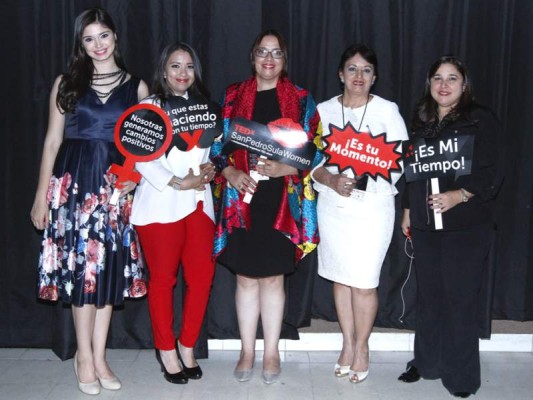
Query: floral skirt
[[90, 253]]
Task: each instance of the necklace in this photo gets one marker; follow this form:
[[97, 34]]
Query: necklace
[[361, 181], [97, 77], [121, 77], [118, 77], [364, 112]]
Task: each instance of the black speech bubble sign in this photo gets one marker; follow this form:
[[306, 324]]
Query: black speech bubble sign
[[426, 158], [282, 140], [195, 121]]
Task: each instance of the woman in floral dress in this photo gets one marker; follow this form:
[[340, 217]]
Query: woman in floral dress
[[89, 255]]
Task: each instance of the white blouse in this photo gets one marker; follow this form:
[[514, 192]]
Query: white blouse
[[381, 116], [155, 201]]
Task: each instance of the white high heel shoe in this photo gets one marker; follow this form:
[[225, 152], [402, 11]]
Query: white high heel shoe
[[359, 376], [92, 388], [341, 370], [110, 384]]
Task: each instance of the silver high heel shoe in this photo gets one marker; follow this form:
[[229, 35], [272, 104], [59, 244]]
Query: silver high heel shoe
[[92, 388], [243, 375], [270, 377]]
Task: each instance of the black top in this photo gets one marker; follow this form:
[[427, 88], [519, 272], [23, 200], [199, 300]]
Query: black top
[[484, 180], [262, 250]]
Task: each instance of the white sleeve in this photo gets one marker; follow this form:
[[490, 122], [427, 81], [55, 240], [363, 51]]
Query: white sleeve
[[155, 172], [396, 130]]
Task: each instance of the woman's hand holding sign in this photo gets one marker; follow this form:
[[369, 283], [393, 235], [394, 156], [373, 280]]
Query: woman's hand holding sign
[[240, 180], [340, 183], [126, 187], [275, 169], [442, 202]]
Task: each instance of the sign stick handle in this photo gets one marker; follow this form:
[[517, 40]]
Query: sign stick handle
[[128, 165], [256, 176], [114, 197], [436, 215]]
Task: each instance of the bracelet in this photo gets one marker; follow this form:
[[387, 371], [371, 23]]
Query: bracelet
[[176, 183], [464, 197]]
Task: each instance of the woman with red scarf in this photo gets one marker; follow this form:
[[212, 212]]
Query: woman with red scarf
[[261, 241]]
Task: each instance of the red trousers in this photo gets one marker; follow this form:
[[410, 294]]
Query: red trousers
[[188, 241]]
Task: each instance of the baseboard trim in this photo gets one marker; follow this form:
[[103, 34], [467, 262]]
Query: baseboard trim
[[379, 341]]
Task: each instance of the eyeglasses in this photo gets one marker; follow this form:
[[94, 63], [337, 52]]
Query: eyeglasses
[[450, 80], [263, 53], [354, 70]]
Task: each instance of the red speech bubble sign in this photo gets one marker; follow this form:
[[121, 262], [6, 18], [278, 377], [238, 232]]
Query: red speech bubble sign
[[142, 133], [288, 133], [361, 152]]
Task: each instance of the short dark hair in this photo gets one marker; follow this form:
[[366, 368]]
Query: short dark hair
[[366, 52], [426, 109], [282, 46], [160, 86]]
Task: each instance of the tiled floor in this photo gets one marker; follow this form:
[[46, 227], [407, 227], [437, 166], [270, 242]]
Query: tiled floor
[[34, 374]]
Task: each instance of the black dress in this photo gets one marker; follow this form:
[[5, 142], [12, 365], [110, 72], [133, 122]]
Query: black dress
[[262, 250]]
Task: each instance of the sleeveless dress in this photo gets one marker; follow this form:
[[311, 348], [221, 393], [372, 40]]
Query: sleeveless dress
[[90, 252]]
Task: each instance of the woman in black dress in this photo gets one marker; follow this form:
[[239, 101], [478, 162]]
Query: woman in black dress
[[260, 241]]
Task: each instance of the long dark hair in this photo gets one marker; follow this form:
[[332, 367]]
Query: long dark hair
[[80, 68], [282, 46], [366, 52], [160, 86], [426, 110]]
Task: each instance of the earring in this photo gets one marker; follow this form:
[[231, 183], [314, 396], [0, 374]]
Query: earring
[[342, 80], [164, 76]]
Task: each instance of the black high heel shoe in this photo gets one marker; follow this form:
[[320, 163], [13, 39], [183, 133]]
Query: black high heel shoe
[[192, 373], [464, 395], [179, 378], [410, 375]]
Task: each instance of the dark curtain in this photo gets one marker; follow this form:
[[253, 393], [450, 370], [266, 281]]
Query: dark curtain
[[494, 37]]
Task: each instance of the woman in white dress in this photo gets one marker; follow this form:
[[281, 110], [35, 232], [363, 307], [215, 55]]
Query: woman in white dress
[[356, 213]]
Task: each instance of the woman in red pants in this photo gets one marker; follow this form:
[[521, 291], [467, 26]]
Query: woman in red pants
[[173, 214]]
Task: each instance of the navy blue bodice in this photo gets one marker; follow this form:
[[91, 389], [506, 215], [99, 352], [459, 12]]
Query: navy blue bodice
[[93, 119]]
